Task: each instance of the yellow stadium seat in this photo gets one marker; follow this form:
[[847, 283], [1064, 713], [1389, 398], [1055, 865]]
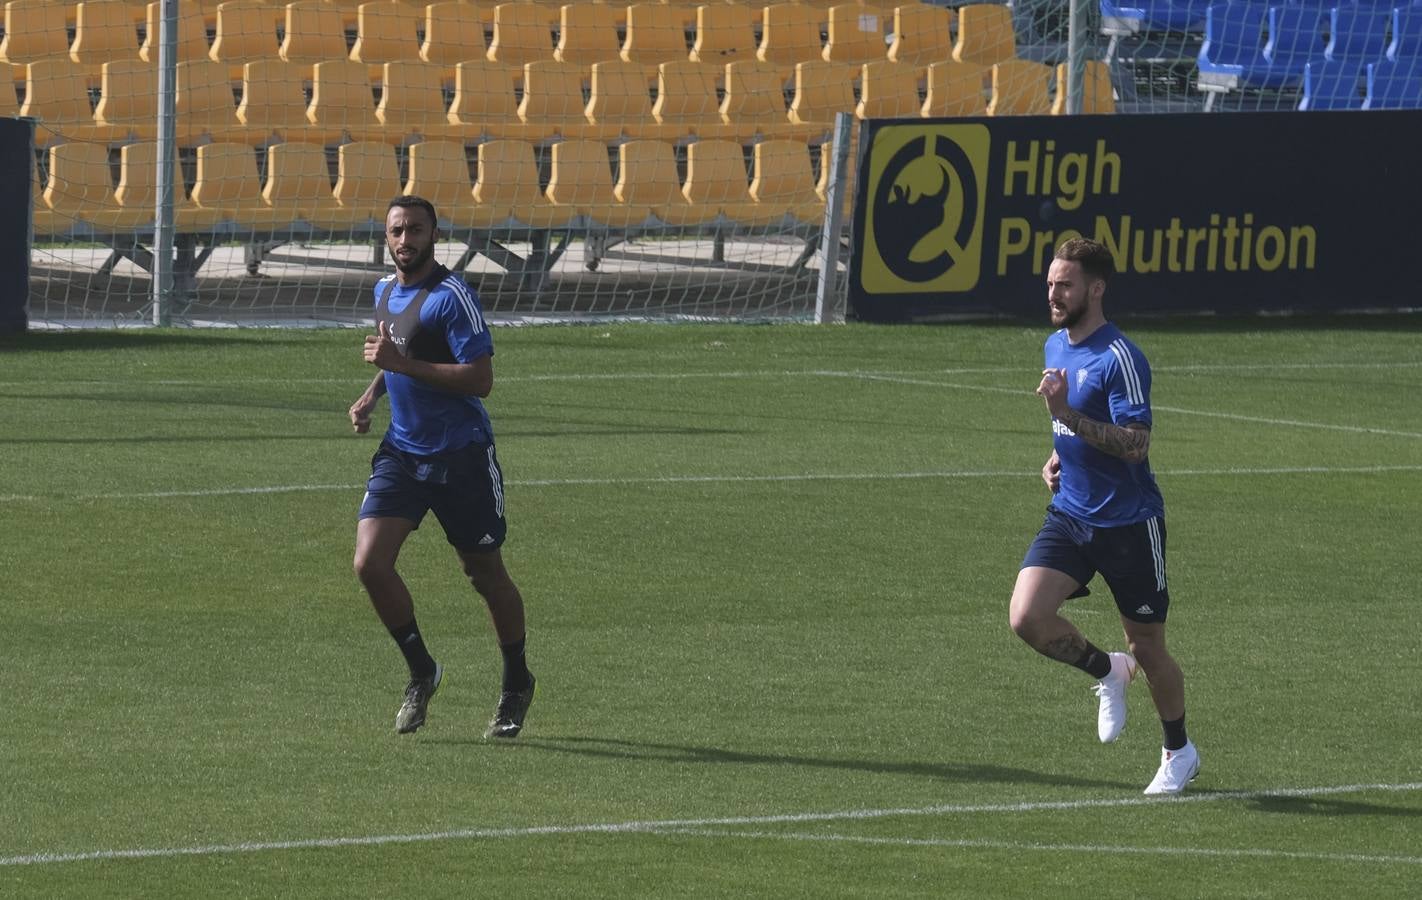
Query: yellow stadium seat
[[888, 90], [343, 105], [956, 89], [655, 34], [34, 30], [985, 34], [228, 186], [790, 34], [137, 192], [128, 99], [103, 32], [273, 105], [80, 188], [205, 105], [783, 181], [507, 184], [9, 103], [716, 179], [439, 172], [922, 35], [822, 178], [724, 33], [1096, 92], [553, 96], [647, 177], [45, 223], [412, 102], [386, 31], [587, 34], [314, 33], [57, 97], [521, 35], [454, 33], [192, 32], [367, 177], [246, 33], [485, 103], [687, 102], [622, 105], [856, 35], [755, 104], [298, 186], [581, 185], [821, 90], [1019, 88]]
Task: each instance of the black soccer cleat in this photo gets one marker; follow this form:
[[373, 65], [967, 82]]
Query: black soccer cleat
[[417, 701], [513, 706]]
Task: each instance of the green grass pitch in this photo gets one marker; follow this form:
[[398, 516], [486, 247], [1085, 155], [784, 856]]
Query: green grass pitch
[[767, 571]]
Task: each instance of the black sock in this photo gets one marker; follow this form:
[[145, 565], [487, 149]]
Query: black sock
[[1174, 733], [1094, 661], [408, 639], [516, 675]]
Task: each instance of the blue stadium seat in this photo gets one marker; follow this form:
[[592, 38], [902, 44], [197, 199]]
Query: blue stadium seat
[[1332, 84], [1357, 31], [1406, 40], [1394, 85], [1295, 39], [1146, 15], [1233, 35]]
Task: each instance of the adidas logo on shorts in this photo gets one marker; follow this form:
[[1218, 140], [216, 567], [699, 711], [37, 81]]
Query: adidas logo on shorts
[[1144, 610], [489, 539]]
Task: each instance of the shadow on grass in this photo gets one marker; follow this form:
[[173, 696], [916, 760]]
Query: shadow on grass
[[1324, 806], [676, 754]]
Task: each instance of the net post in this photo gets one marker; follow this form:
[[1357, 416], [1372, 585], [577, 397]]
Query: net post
[[167, 175], [829, 297], [1078, 21]]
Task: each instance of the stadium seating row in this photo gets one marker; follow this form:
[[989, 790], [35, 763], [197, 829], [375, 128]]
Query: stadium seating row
[[450, 32], [78, 197], [748, 103], [1251, 46]]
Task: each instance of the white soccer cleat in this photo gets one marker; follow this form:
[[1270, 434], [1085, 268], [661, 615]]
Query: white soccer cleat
[[1111, 717], [1177, 769]]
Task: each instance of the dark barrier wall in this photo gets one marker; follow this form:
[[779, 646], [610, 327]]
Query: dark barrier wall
[[1237, 212], [16, 138]]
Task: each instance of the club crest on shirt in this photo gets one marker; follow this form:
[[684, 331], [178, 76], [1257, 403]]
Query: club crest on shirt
[[1080, 378]]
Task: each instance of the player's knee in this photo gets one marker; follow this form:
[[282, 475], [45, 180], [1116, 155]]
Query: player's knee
[[368, 568], [1022, 623]]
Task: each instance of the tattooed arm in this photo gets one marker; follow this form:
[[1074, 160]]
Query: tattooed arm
[[1128, 442]]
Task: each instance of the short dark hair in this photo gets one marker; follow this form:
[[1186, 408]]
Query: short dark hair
[[1095, 260], [406, 201]]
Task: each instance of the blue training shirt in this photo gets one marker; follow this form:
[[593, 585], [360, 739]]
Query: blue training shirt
[[425, 419], [1108, 379]]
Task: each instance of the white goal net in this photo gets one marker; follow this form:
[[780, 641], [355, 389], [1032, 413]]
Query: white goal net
[[587, 159]]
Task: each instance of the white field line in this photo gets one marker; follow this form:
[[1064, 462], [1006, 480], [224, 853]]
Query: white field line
[[890, 377], [675, 825], [708, 479], [1107, 849], [1261, 420], [681, 376]]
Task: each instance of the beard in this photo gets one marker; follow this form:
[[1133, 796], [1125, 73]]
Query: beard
[[416, 262], [1068, 317]]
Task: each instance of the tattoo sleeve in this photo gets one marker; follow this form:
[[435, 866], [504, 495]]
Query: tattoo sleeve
[[1130, 442]]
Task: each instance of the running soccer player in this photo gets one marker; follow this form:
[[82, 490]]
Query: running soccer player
[[435, 360], [1106, 514]]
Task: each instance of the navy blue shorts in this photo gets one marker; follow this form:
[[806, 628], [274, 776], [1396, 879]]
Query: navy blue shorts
[[1130, 558], [464, 488]]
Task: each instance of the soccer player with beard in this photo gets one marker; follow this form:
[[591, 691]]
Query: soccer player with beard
[[435, 360], [1106, 514]]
